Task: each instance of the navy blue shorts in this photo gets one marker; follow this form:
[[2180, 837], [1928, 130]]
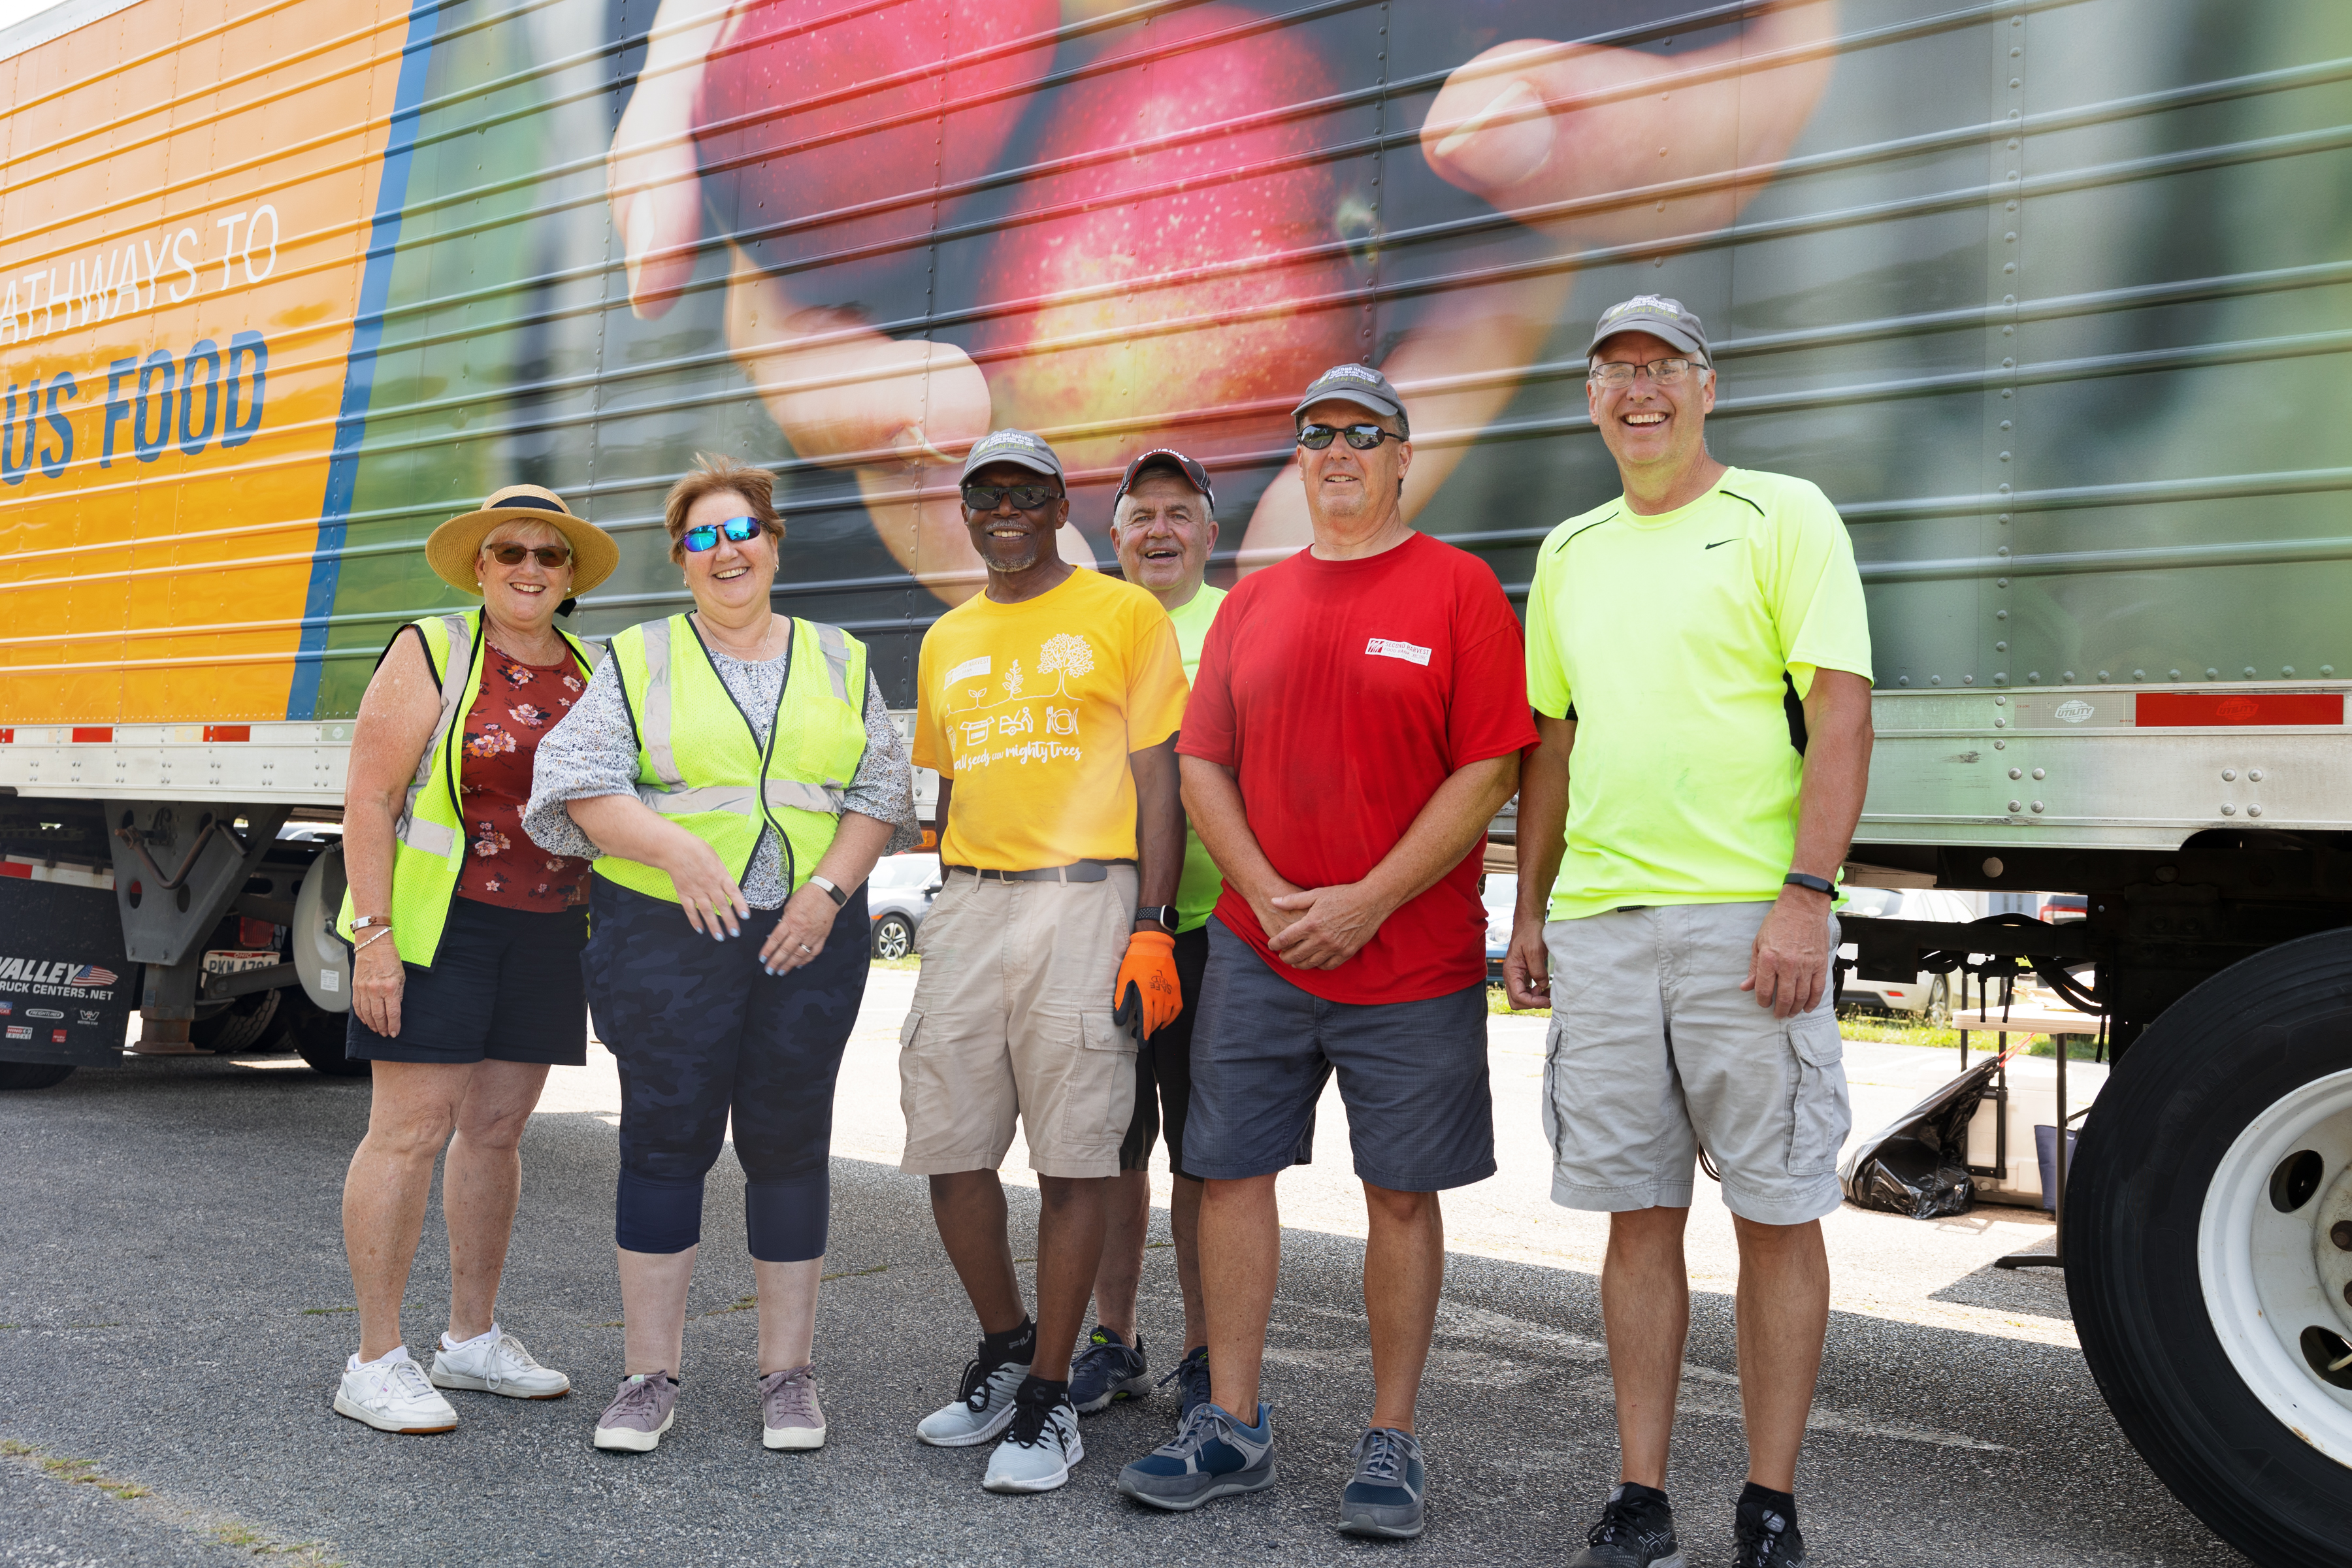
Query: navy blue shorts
[[1411, 1074], [504, 985], [703, 1036]]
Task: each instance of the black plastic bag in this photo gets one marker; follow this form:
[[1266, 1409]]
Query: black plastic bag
[[1919, 1166]]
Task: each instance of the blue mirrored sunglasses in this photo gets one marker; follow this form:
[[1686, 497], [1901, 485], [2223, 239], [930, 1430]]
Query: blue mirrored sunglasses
[[705, 536]]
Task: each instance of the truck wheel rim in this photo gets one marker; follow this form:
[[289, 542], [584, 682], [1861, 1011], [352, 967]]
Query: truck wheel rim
[[2275, 1258]]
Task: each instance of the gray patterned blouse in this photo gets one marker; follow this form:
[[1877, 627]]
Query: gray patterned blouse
[[593, 751]]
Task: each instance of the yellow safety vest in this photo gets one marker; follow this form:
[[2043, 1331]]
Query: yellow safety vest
[[428, 842], [700, 762]]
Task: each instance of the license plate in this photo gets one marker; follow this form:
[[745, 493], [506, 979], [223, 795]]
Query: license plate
[[235, 961]]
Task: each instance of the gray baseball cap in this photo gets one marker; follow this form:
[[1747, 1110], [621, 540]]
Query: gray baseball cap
[[1017, 446], [1357, 384], [1656, 315]]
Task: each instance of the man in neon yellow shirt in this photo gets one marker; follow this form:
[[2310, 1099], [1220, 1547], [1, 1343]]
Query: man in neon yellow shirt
[[1163, 525], [1700, 645]]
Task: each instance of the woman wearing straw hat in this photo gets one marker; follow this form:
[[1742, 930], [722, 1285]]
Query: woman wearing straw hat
[[466, 943], [735, 774]]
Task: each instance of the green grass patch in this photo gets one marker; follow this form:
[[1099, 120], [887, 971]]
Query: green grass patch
[[912, 961], [1909, 1029]]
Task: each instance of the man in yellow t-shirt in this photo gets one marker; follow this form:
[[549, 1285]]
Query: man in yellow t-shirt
[[1049, 705]]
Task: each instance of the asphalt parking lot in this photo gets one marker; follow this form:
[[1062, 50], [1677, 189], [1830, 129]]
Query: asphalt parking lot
[[175, 1306]]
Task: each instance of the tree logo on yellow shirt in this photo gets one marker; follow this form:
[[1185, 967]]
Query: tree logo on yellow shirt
[[1066, 655]]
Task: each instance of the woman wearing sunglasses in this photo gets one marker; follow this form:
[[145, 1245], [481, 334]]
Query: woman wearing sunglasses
[[466, 943], [734, 774]]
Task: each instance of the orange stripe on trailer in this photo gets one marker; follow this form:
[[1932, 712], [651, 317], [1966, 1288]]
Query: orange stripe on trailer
[[100, 732], [2182, 710]]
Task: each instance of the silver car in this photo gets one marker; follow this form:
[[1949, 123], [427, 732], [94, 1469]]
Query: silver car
[[898, 896]]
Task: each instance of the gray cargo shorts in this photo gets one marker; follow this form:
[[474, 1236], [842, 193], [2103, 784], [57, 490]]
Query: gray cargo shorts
[[1655, 1051]]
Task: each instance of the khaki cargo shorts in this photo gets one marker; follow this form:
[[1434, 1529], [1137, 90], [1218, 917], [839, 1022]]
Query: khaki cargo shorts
[[1655, 1051], [1011, 1018]]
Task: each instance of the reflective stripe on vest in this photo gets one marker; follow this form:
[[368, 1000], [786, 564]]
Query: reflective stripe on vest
[[439, 837]]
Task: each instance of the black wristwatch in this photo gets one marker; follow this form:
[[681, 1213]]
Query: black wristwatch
[[1811, 884], [1165, 914]]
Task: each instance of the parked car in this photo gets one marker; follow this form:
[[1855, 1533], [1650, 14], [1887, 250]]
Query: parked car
[[898, 896], [1930, 996], [1500, 892]]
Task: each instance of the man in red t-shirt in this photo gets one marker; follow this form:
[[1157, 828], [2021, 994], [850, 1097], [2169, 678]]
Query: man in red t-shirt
[[1355, 725]]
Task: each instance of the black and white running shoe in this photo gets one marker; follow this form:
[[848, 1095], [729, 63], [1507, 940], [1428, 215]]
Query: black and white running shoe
[[1764, 1537], [1636, 1530]]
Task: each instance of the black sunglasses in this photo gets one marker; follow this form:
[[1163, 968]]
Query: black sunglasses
[[548, 555], [1028, 498], [705, 536], [1362, 438]]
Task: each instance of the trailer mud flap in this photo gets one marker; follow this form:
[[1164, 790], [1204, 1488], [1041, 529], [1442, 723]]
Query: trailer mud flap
[[65, 987]]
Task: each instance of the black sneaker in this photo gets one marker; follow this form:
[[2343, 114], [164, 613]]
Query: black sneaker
[[1764, 1537], [1636, 1530]]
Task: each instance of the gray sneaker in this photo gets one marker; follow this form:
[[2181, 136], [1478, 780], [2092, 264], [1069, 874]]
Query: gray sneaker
[[982, 1406], [789, 1411], [640, 1413], [1384, 1500], [1212, 1455], [1106, 1370]]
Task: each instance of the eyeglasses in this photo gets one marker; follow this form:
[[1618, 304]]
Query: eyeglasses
[[1663, 372], [548, 555], [1362, 438], [1028, 498], [704, 536]]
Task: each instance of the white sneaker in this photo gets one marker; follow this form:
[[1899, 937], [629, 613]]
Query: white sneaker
[[1037, 1453], [496, 1364], [983, 1409], [392, 1394]]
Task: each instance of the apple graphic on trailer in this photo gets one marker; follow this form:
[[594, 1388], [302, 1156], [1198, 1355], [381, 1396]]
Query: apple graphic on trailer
[[1182, 293], [808, 108]]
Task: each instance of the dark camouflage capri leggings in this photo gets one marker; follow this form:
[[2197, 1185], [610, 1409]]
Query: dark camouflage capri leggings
[[699, 1030]]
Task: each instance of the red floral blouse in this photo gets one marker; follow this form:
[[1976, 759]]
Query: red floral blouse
[[519, 703]]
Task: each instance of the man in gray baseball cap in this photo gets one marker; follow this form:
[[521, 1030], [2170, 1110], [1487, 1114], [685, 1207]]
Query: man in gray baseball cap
[[1706, 625]]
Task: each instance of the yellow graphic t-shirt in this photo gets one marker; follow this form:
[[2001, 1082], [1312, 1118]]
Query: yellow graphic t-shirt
[[1031, 710]]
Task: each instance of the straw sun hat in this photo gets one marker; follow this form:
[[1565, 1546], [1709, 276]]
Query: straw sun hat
[[450, 552]]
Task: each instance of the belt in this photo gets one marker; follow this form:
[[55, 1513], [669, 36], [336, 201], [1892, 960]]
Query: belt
[[1076, 871]]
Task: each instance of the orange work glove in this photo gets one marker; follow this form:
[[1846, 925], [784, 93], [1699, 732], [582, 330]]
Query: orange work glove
[[1145, 997]]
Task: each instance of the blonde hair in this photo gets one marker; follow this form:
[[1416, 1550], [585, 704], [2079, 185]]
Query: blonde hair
[[711, 475]]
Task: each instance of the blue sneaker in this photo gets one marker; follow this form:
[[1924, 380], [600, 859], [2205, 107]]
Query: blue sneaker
[[1384, 1500], [1192, 1380], [1212, 1455], [1106, 1370]]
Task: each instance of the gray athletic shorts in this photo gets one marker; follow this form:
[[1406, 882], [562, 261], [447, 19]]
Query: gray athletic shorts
[[1655, 1050], [1411, 1074]]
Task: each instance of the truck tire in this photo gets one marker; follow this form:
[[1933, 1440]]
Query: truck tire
[[241, 1025], [318, 1036], [32, 1074], [2209, 1250]]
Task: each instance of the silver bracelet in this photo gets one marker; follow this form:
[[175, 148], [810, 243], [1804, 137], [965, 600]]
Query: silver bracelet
[[362, 947]]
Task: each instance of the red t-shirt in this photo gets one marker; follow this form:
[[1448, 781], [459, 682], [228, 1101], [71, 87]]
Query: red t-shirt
[[519, 703], [1343, 693]]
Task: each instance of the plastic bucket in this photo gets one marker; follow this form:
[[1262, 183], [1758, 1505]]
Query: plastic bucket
[[2045, 1145]]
